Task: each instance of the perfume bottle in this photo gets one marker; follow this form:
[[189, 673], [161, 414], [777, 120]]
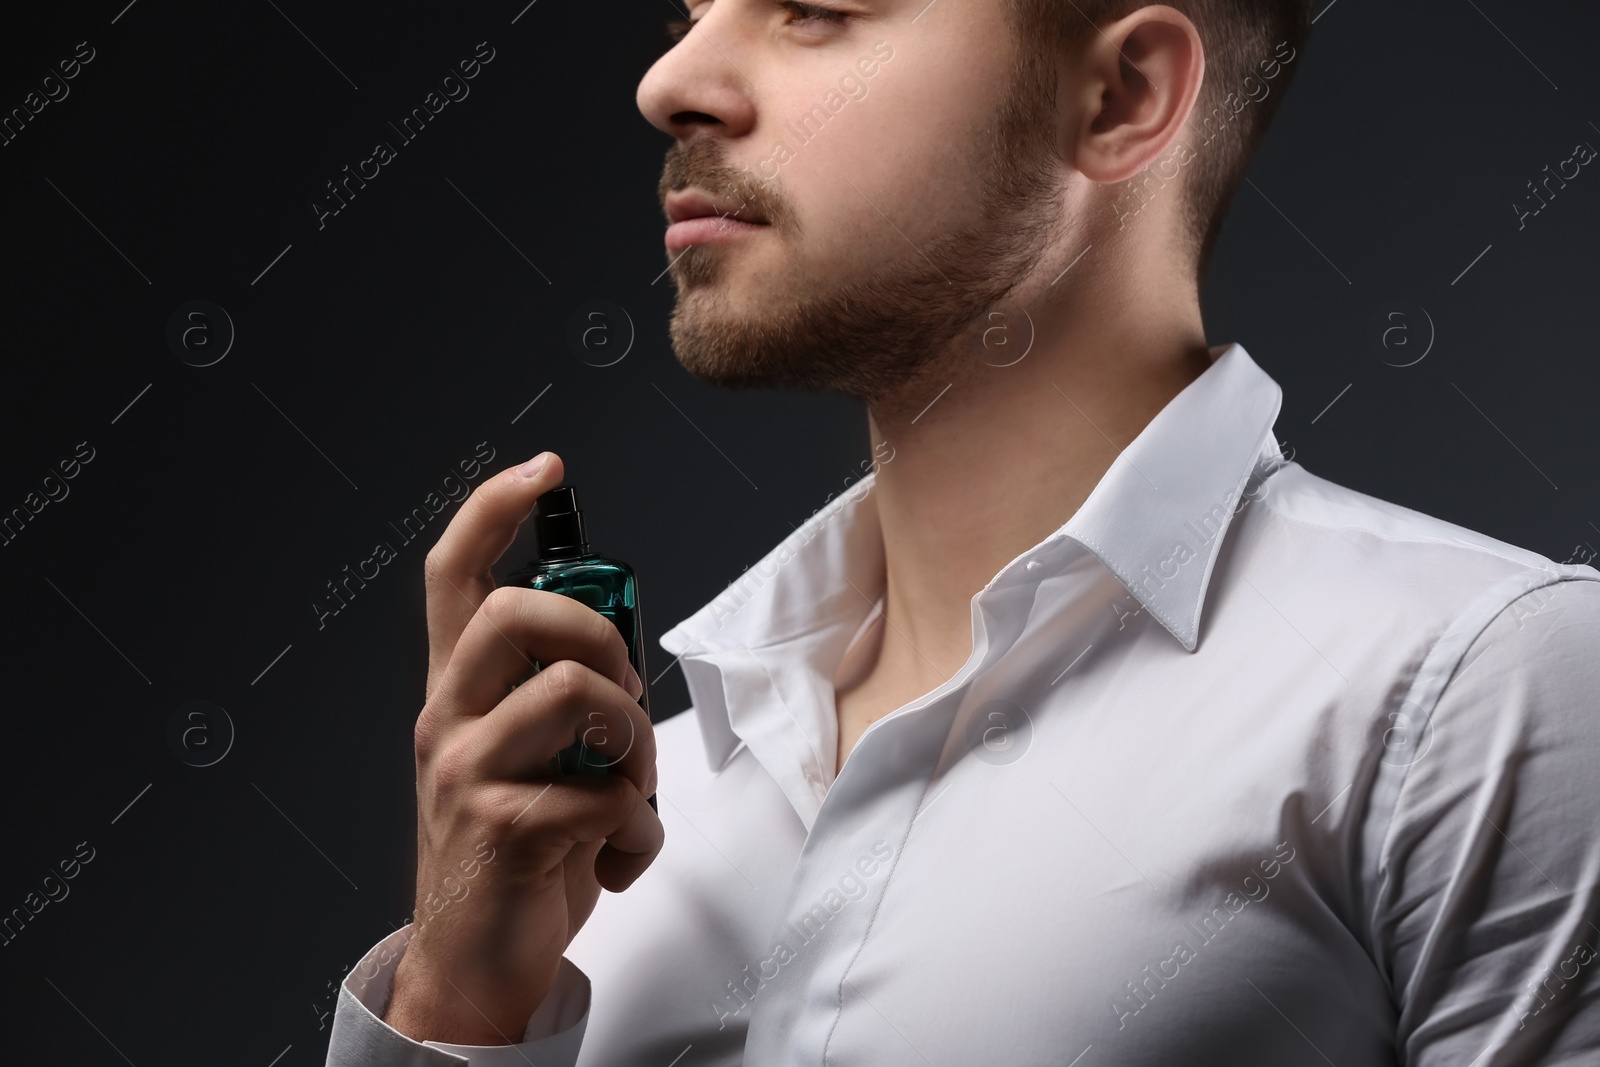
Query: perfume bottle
[[564, 564]]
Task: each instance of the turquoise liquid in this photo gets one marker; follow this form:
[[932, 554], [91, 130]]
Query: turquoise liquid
[[609, 587]]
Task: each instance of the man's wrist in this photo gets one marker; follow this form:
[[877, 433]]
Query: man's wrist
[[425, 1006]]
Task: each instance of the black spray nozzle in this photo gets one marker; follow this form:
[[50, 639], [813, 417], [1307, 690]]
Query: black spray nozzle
[[558, 524]]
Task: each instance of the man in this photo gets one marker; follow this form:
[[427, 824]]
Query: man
[[1086, 729]]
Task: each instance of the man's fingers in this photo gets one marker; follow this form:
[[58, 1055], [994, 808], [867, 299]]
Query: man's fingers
[[513, 628], [556, 817], [457, 570], [565, 702], [630, 851]]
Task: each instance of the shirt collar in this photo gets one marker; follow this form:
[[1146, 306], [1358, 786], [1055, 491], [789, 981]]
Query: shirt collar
[[1156, 520]]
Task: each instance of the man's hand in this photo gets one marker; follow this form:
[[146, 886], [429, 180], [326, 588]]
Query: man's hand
[[511, 856]]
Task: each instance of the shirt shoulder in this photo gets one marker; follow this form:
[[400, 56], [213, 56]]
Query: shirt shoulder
[[1374, 555]]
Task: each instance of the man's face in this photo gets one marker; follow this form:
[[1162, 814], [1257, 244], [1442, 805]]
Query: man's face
[[903, 167]]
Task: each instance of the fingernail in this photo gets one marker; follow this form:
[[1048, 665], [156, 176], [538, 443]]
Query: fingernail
[[650, 784], [532, 468], [632, 684]]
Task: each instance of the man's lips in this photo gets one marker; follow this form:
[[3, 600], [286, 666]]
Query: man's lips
[[708, 229], [698, 219], [686, 204]]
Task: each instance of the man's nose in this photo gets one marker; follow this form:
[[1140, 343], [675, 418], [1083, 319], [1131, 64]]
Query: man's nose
[[701, 81]]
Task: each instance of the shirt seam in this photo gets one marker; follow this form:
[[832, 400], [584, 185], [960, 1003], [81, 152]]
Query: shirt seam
[[1425, 677], [872, 921]]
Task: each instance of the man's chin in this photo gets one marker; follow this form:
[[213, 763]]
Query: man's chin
[[725, 353], [876, 339], [746, 357], [723, 337], [697, 270]]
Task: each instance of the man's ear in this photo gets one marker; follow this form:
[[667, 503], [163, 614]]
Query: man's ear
[[1133, 85]]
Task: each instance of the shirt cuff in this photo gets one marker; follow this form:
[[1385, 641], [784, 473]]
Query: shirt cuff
[[360, 1037]]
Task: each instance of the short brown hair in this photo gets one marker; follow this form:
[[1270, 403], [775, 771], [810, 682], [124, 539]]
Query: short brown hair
[[1243, 39]]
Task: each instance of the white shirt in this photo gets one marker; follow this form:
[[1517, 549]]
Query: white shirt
[[1245, 767]]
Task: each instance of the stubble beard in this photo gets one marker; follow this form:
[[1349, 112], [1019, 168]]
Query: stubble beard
[[916, 318]]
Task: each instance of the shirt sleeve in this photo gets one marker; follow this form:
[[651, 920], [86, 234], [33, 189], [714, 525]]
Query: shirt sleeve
[[360, 1037], [1485, 914]]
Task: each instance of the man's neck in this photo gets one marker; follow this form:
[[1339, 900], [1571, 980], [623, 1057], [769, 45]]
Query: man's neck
[[998, 462]]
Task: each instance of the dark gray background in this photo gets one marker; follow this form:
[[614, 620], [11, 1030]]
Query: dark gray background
[[223, 903]]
